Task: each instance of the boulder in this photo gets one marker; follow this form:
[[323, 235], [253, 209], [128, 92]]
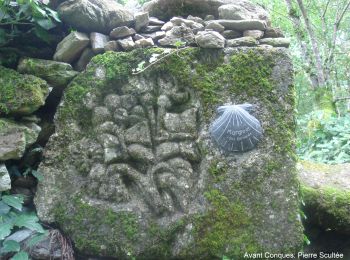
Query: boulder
[[256, 34], [241, 25], [98, 42], [127, 44], [57, 74], [231, 34], [178, 34], [94, 15], [84, 59], [155, 21], [141, 20], [165, 9], [242, 10], [210, 40], [122, 32], [273, 33], [132, 166], [5, 180], [70, 48], [142, 43], [154, 36], [243, 41], [112, 46], [21, 94], [215, 26], [276, 42], [15, 138], [326, 195], [151, 28]]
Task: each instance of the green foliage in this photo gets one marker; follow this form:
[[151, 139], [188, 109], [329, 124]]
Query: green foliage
[[26, 17], [324, 139]]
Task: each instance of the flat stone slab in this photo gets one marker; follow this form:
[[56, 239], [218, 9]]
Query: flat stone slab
[[242, 25]]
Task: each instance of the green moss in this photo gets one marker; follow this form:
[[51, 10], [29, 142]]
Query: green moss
[[20, 94], [218, 170]]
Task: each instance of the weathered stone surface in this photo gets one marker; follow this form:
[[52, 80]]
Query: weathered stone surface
[[242, 25], [326, 194], [243, 41], [256, 34], [195, 19], [167, 26], [154, 36], [151, 28], [231, 34], [273, 33], [94, 15], [127, 44], [242, 10], [210, 40], [141, 20], [178, 34], [276, 42], [196, 27], [15, 138], [165, 9], [142, 43], [155, 21], [84, 59], [215, 26], [122, 32], [55, 73], [112, 46], [209, 17], [69, 49], [21, 94], [5, 180], [133, 156], [98, 42]]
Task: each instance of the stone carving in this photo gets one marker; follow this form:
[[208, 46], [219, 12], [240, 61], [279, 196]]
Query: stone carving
[[235, 130]]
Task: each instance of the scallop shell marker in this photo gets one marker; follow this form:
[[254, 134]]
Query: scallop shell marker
[[235, 130]]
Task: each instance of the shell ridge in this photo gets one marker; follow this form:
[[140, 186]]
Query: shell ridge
[[228, 123], [244, 118]]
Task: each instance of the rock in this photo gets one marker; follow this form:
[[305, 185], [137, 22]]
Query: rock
[[195, 19], [94, 15], [151, 28], [209, 17], [178, 34], [231, 34], [5, 180], [144, 43], [196, 27], [15, 138], [57, 74], [210, 40], [127, 44], [242, 25], [243, 41], [276, 42], [98, 42], [141, 20], [141, 164], [215, 27], [326, 194], [70, 48], [20, 235], [155, 36], [155, 21], [242, 10], [112, 46], [137, 37], [165, 9], [84, 59], [256, 34], [273, 33], [122, 32], [21, 94], [167, 27]]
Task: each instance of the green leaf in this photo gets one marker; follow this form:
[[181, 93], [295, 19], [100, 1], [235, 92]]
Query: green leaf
[[20, 256], [29, 221], [42, 34], [53, 14], [10, 246], [36, 239], [5, 230], [14, 201], [47, 24], [38, 175], [4, 208]]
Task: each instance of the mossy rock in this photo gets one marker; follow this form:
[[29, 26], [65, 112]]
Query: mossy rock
[[21, 94], [177, 196]]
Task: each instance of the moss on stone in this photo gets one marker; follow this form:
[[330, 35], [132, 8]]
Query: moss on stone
[[20, 94]]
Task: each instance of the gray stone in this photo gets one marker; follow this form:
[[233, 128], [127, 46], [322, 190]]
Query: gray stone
[[273, 33], [20, 235], [84, 59], [256, 34], [151, 172], [144, 43], [167, 26], [69, 49], [195, 19], [137, 37], [98, 42], [276, 42], [95, 15], [242, 10], [15, 138], [141, 20], [155, 21], [209, 17], [231, 34], [210, 40], [178, 34], [243, 41], [122, 32], [112, 46], [127, 44], [196, 27], [5, 180], [215, 26], [151, 28], [155, 36], [55, 73], [242, 25]]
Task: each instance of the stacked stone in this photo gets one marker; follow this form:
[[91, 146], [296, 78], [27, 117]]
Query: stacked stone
[[234, 26]]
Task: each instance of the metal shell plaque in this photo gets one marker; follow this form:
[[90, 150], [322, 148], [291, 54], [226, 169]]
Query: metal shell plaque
[[235, 130]]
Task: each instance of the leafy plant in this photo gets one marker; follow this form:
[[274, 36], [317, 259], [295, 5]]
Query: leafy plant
[[26, 17], [324, 139]]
